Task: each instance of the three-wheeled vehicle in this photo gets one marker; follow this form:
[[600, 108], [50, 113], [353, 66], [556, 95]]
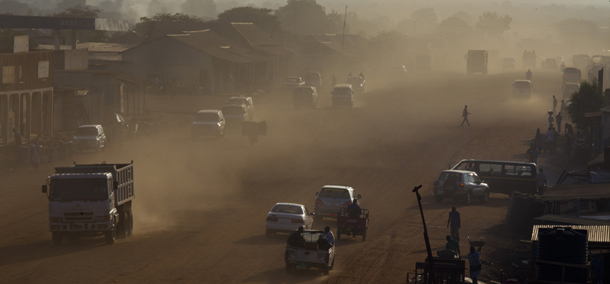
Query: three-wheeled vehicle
[[310, 255], [352, 225]]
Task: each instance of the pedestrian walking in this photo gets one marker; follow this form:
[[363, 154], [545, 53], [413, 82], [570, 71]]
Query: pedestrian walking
[[474, 258], [558, 118], [465, 115], [551, 119], [563, 106], [554, 105], [540, 182], [17, 137], [454, 221]]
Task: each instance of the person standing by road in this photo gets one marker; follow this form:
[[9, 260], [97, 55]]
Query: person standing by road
[[554, 105], [558, 118], [551, 119], [474, 258], [465, 115], [17, 137], [563, 106], [455, 223], [540, 182]]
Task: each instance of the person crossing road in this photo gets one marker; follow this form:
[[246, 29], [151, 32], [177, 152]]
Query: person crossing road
[[465, 115]]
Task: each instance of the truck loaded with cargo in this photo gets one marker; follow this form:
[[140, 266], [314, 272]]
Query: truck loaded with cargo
[[476, 62], [90, 200]]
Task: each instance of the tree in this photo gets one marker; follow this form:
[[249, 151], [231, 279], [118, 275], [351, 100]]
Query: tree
[[587, 99], [335, 23], [426, 15], [454, 26], [493, 25], [261, 17], [303, 17], [146, 25], [200, 8]]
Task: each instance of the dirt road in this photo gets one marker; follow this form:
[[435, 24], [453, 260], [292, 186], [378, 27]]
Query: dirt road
[[201, 205]]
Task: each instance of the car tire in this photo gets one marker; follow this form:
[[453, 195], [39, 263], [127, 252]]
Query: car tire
[[268, 233], [438, 198], [485, 197], [468, 198], [58, 238]]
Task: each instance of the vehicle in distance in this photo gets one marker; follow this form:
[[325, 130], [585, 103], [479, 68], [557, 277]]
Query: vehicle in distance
[[235, 115], [508, 63], [581, 61], [571, 75], [208, 123], [460, 185], [90, 200], [287, 217], [331, 198], [292, 82], [247, 101], [313, 78], [90, 137], [568, 90], [503, 176], [522, 88], [357, 83], [476, 62], [343, 95], [550, 63], [310, 255], [305, 96]]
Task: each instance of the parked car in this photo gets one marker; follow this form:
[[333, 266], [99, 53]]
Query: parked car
[[571, 75], [90, 137], [569, 89], [508, 63], [313, 78], [462, 185], [292, 82], [235, 115], [305, 96], [310, 255], [208, 122], [287, 217], [503, 176], [357, 83], [331, 198], [247, 101], [522, 88], [343, 95]]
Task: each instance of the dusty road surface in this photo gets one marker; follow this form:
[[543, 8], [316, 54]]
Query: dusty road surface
[[200, 205]]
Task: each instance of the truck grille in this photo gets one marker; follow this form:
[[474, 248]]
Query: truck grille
[[78, 216]]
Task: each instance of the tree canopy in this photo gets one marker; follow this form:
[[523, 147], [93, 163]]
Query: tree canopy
[[200, 8], [493, 24], [146, 24], [79, 11], [426, 15], [587, 99], [303, 17], [261, 17]]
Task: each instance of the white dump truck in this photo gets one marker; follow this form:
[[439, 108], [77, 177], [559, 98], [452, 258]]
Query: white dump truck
[[90, 200]]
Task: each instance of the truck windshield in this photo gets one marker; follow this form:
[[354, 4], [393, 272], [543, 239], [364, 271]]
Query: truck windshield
[[79, 189]]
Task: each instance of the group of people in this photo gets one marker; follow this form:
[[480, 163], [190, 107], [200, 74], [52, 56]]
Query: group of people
[[549, 142], [453, 243], [35, 150], [325, 241]]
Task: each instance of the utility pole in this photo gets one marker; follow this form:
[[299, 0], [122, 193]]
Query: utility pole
[[430, 258], [343, 37]]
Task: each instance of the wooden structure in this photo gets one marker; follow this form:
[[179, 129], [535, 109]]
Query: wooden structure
[[447, 271]]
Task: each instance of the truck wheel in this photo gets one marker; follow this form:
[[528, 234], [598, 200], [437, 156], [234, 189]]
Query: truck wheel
[[485, 197], [129, 223], [58, 238], [364, 235], [332, 265], [121, 226], [110, 236]]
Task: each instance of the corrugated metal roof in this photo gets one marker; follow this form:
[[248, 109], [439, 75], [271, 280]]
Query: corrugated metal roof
[[596, 234], [254, 35]]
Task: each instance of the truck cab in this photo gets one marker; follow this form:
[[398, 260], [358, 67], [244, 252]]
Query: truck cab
[[476, 62], [90, 200], [343, 95]]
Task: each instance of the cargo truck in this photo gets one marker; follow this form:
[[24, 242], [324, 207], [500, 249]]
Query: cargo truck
[[90, 200], [476, 62]]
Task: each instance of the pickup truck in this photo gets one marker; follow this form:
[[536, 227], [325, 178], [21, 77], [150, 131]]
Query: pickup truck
[[310, 256], [90, 200]]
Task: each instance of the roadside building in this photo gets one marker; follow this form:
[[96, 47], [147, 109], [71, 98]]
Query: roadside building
[[26, 95], [324, 52]]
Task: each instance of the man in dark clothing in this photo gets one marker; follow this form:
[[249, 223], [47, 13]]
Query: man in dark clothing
[[17, 137], [323, 243], [558, 118], [454, 221], [296, 239], [353, 210], [465, 114], [453, 245]]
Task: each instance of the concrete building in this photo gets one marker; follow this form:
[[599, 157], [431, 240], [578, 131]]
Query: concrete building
[[26, 95]]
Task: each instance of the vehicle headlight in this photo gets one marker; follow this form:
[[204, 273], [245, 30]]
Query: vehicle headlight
[[102, 218]]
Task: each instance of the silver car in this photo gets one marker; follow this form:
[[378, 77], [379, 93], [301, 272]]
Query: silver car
[[463, 185], [90, 137], [287, 217], [208, 122], [331, 198]]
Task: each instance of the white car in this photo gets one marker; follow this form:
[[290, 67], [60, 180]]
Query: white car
[[287, 217], [89, 137], [310, 255], [247, 101], [208, 122]]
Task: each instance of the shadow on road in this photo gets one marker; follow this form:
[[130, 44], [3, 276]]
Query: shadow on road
[[263, 240], [46, 249], [281, 276]]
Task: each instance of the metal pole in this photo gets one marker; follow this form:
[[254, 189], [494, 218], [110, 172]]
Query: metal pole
[[344, 21], [430, 258]]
